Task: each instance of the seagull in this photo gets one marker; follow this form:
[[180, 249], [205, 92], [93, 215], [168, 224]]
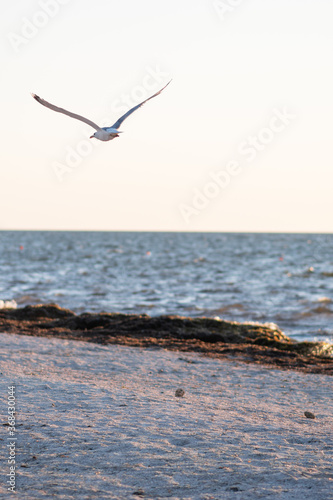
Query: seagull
[[102, 133]]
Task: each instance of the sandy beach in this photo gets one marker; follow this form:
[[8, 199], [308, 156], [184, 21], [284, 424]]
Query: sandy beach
[[103, 422]]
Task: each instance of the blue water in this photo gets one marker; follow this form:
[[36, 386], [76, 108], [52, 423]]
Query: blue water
[[282, 278]]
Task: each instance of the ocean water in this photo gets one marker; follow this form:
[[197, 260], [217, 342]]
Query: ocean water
[[286, 279]]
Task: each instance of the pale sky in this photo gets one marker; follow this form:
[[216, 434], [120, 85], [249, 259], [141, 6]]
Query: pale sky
[[239, 141]]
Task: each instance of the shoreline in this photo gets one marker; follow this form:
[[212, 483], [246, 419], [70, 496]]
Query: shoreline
[[252, 343]]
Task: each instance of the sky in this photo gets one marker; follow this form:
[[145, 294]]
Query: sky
[[239, 141]]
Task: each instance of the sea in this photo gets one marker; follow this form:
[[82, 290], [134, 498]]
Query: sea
[[286, 279]]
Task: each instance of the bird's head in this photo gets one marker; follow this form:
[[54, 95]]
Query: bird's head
[[92, 136]]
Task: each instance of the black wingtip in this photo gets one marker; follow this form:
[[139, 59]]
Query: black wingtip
[[167, 84]]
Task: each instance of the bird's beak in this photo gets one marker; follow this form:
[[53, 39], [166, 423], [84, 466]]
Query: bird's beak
[[91, 137]]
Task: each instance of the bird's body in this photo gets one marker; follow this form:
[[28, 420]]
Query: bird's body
[[106, 134], [102, 133]]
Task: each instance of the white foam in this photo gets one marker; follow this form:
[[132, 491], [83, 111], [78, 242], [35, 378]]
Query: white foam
[[8, 304]]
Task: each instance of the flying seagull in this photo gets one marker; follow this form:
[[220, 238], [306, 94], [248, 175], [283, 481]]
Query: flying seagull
[[102, 133]]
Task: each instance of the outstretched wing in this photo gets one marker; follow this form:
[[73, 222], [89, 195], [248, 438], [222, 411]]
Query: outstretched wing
[[122, 118], [65, 112]]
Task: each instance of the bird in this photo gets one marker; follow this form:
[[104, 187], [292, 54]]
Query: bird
[[102, 133]]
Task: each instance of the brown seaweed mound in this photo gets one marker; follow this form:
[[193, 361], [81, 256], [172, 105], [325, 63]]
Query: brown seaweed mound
[[249, 342]]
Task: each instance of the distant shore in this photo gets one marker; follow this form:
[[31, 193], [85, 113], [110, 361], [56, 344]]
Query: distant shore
[[248, 342]]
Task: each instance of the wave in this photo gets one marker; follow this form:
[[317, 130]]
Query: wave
[[319, 310], [230, 307], [326, 300]]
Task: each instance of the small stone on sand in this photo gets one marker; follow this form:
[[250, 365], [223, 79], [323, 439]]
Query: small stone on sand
[[308, 414], [179, 393], [139, 492]]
